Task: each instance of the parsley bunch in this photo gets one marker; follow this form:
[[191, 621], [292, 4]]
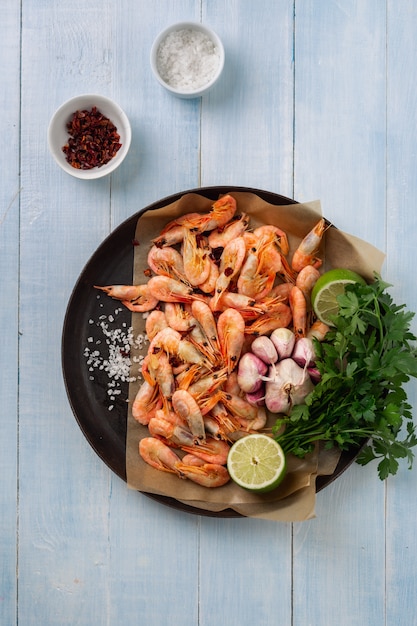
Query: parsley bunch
[[364, 362]]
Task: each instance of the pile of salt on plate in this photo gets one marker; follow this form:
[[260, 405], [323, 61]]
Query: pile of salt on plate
[[187, 59], [110, 354]]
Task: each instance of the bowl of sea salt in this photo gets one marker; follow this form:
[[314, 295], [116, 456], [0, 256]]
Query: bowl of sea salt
[[187, 59]]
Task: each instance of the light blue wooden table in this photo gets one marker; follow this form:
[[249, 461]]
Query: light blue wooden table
[[318, 101]]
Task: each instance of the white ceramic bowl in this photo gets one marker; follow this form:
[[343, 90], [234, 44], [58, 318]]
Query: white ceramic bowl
[[58, 134], [175, 76]]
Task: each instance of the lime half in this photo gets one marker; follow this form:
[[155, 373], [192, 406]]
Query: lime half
[[328, 287], [256, 462]]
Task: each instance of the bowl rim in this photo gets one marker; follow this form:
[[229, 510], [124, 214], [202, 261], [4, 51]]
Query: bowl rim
[[65, 111], [193, 25]]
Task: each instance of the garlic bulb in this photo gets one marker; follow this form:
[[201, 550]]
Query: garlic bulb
[[287, 385]]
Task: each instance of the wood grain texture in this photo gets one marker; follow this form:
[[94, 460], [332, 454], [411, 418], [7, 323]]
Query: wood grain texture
[[401, 542], [9, 319], [247, 122], [74, 551], [340, 100], [317, 100]]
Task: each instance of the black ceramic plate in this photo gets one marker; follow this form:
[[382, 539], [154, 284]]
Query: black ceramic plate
[[88, 389]]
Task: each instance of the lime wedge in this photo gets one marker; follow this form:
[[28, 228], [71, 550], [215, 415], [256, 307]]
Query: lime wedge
[[329, 286], [257, 463]]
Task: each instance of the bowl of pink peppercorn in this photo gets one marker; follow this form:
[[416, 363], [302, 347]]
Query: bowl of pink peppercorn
[[187, 59], [89, 136]]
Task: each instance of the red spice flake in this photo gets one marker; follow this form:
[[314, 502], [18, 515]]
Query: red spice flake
[[93, 141]]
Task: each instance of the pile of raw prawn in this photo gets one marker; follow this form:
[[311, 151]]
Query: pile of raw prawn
[[213, 286]]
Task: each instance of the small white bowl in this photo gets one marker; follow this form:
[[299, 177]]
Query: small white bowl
[[177, 85], [58, 134]]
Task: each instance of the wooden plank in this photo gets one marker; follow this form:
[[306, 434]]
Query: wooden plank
[[163, 159], [78, 543], [401, 583], [247, 140], [339, 154], [247, 127], [340, 158], [9, 318]]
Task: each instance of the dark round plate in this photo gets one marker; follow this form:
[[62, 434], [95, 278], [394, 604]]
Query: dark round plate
[[87, 386]]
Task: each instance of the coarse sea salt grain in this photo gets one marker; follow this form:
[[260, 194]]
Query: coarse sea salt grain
[[110, 355], [187, 59]]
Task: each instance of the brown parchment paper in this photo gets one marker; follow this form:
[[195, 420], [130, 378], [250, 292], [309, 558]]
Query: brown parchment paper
[[294, 500]]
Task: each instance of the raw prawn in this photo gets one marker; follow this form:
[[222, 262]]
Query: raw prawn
[[239, 406], [146, 403], [196, 258], [256, 424], [163, 374], [231, 331], [222, 211], [205, 318], [280, 235], [212, 451], [167, 262], [173, 232], [163, 458], [282, 290], [169, 236], [187, 375], [233, 300], [208, 384], [231, 385], [318, 330], [212, 427], [207, 475], [223, 423], [231, 261], [172, 342], [210, 284], [169, 427], [155, 322], [166, 339], [178, 317], [306, 280], [168, 289], [188, 409], [306, 253], [298, 307], [172, 433], [280, 318], [271, 257], [191, 459], [219, 238], [158, 455], [134, 297], [254, 280]]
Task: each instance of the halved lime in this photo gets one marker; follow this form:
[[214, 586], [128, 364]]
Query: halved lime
[[256, 462], [328, 287]]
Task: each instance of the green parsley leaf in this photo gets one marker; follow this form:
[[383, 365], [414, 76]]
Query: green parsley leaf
[[364, 362]]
